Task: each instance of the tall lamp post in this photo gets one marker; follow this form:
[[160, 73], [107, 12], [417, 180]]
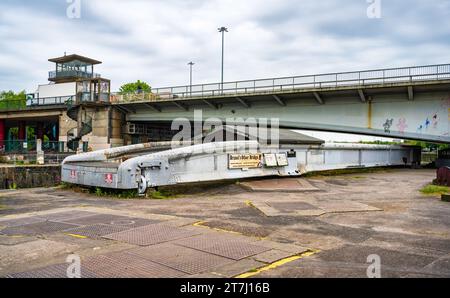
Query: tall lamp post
[[222, 30], [190, 76]]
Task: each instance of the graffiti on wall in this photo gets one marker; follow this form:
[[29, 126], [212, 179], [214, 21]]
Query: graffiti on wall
[[429, 123], [387, 125], [401, 125]]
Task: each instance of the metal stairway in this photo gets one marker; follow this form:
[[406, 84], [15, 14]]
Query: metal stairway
[[73, 137]]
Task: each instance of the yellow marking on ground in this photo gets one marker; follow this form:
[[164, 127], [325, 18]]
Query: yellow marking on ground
[[249, 203], [202, 224], [77, 236], [277, 264]]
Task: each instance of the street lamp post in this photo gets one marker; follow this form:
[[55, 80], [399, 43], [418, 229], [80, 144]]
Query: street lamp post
[[190, 76], [222, 30]]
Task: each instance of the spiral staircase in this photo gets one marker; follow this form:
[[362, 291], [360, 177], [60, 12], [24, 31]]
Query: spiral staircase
[[73, 136]]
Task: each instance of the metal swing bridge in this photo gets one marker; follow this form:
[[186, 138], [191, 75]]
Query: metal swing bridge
[[151, 165]]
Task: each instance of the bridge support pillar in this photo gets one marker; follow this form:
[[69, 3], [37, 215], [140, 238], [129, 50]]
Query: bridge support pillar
[[22, 130], [40, 130]]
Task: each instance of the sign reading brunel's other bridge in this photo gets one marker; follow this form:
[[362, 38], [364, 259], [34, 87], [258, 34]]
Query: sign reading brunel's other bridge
[[244, 161]]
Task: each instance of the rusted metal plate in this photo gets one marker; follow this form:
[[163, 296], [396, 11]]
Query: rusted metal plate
[[67, 215], [222, 246], [151, 234], [125, 265], [95, 231], [96, 219], [181, 258], [37, 228], [21, 221], [52, 271]]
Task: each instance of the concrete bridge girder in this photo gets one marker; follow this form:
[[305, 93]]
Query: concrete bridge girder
[[408, 111]]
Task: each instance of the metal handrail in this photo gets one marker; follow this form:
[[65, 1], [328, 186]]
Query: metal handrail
[[339, 79], [23, 104], [72, 73]]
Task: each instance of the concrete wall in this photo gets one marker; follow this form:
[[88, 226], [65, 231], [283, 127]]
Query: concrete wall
[[106, 128], [56, 90], [29, 176]]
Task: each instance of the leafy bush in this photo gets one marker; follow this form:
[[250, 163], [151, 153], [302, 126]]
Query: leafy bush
[[135, 87]]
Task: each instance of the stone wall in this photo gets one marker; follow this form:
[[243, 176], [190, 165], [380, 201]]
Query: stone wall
[[29, 176]]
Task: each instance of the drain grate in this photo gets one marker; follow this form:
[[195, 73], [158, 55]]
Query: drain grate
[[96, 219], [151, 234], [67, 215], [126, 265], [96, 231], [180, 258], [52, 271], [222, 246], [21, 221], [37, 228]]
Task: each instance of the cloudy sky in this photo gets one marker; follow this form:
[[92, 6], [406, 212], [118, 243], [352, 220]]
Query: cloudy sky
[[154, 40]]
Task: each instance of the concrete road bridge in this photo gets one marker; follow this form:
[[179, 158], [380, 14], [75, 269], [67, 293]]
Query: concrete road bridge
[[406, 103]]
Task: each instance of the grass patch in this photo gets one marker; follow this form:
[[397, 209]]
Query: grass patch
[[162, 194], [122, 194], [432, 189]]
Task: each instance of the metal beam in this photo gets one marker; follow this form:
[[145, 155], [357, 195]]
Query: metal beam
[[243, 102], [153, 107], [212, 105], [318, 98], [362, 96], [279, 100], [181, 106], [120, 109], [128, 109], [410, 93]]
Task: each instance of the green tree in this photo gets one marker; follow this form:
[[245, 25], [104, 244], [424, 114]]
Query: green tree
[[137, 86], [10, 99]]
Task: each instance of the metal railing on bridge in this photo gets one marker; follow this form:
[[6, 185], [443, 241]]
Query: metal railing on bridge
[[29, 103], [283, 84]]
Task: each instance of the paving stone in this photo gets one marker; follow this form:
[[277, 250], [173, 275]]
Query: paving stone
[[279, 185], [96, 219], [21, 221], [271, 256], [37, 228], [222, 246], [239, 267], [95, 231], [52, 271], [181, 258], [151, 234], [125, 265], [286, 247], [66, 215]]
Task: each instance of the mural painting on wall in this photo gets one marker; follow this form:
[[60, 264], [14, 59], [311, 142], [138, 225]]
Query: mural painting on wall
[[430, 122], [401, 125], [387, 125], [427, 123]]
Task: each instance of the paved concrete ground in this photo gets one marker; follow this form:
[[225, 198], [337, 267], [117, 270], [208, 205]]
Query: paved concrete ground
[[327, 227]]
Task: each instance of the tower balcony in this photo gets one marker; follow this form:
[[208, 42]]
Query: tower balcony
[[71, 75]]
